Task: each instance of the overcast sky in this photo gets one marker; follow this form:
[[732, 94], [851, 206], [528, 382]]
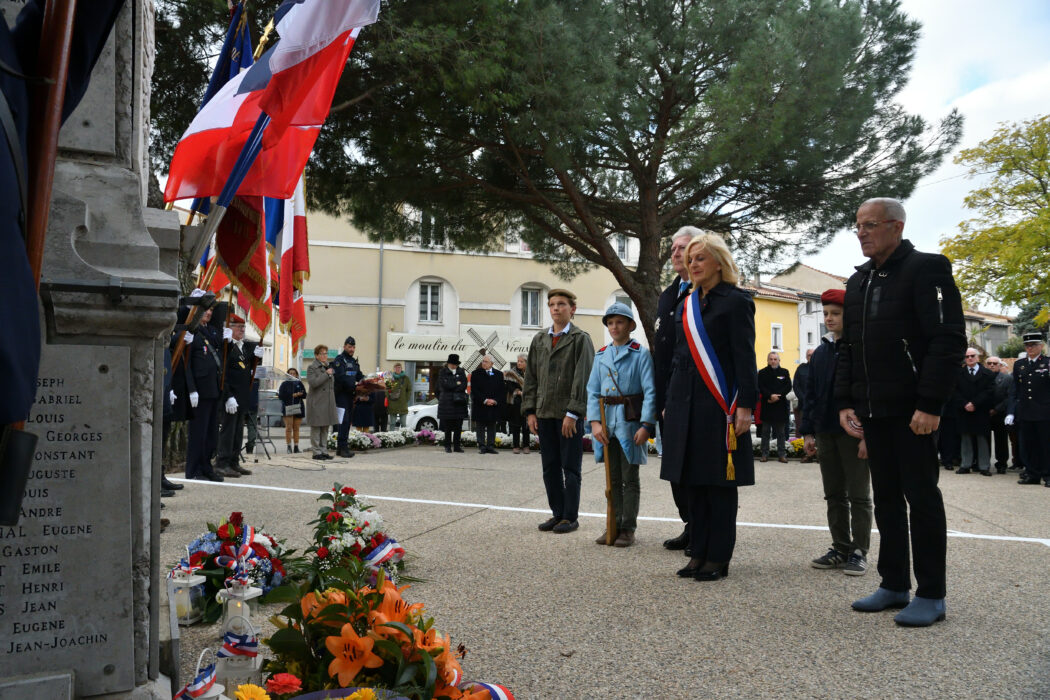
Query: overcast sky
[[992, 61]]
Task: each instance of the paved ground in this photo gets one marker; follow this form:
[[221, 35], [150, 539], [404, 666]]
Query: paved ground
[[554, 616]]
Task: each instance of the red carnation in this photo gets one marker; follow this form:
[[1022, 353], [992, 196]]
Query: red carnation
[[340, 504], [236, 517], [380, 537], [322, 552], [278, 566], [366, 524], [349, 491], [227, 531], [284, 684], [333, 516], [355, 549], [260, 550]]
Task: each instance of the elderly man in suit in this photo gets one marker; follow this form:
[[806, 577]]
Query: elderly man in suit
[[997, 413], [975, 395]]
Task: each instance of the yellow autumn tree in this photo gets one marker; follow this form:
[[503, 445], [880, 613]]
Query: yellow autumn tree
[[1003, 253]]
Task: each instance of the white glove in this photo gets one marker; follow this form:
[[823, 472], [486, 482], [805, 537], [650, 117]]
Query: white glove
[[197, 293], [1009, 420], [171, 396], [258, 351], [194, 398], [227, 333], [187, 338], [231, 405]]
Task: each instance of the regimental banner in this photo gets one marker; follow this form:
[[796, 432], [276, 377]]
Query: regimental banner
[[497, 341]]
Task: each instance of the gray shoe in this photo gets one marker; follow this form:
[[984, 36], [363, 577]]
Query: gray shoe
[[856, 565], [834, 559], [921, 612], [882, 599]]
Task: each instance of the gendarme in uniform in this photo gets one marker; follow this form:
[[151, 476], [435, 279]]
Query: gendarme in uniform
[[1030, 410]]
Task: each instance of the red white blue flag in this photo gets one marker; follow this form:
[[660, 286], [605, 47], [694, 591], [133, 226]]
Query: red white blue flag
[[710, 370], [257, 132], [234, 644]]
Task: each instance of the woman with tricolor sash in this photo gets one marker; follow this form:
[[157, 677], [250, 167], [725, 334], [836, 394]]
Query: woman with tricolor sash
[[711, 392]]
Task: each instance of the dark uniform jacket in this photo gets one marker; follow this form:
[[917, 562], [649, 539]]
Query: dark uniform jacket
[[800, 383], [204, 362], [819, 414], [238, 378], [487, 386], [774, 381], [20, 339], [347, 372], [452, 399], [978, 390], [664, 339], [904, 336], [1030, 394], [1003, 383], [694, 424]]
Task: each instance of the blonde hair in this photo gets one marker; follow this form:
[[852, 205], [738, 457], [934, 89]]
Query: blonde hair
[[718, 249]]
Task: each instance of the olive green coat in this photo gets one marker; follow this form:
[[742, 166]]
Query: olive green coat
[[556, 378], [400, 404]]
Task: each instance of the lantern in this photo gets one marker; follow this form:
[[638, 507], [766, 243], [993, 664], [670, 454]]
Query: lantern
[[237, 607], [186, 593], [239, 660], [203, 685]]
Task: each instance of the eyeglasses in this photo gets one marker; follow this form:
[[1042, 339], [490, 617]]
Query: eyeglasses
[[972, 356], [869, 226]]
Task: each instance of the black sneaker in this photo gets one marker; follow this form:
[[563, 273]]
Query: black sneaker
[[565, 526], [834, 559], [857, 565], [548, 525]]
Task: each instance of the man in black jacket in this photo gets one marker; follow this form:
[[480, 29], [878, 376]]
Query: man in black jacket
[[1000, 403], [239, 359], [975, 395], [774, 383], [1030, 404], [347, 372], [903, 342], [663, 354]]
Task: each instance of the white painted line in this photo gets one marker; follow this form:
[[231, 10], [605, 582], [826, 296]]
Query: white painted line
[[489, 506]]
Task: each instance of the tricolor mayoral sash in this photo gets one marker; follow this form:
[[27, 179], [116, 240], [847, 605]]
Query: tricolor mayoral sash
[[710, 370]]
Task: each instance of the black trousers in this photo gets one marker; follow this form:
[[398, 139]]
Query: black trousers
[[1002, 442], [516, 430], [453, 431], [679, 493], [347, 404], [562, 460], [231, 435], [486, 435], [203, 438], [904, 473], [712, 522], [1035, 444], [949, 440]]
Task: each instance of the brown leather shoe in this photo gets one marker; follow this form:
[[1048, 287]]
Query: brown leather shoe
[[624, 539], [782, 460], [601, 540], [764, 459]]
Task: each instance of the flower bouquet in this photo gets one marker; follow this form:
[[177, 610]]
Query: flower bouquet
[[349, 529], [235, 550], [344, 634], [372, 382]]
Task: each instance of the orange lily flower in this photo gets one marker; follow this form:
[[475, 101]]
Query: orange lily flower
[[392, 608], [427, 641], [449, 669], [351, 653], [310, 605]]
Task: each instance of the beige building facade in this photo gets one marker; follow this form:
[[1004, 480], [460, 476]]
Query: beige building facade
[[415, 304]]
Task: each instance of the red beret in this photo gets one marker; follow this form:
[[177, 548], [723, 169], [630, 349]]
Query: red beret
[[834, 296], [236, 319]]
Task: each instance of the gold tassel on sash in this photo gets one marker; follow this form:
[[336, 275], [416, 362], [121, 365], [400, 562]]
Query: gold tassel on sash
[[731, 440]]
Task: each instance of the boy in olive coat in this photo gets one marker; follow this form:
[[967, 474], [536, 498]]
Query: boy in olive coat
[[554, 403], [622, 372]]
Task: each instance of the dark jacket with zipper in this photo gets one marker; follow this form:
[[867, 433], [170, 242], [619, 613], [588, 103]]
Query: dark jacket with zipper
[[904, 336], [819, 414]]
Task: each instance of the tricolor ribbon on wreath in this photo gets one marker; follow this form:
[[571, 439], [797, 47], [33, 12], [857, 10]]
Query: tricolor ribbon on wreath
[[200, 685], [187, 567], [238, 560], [710, 370], [496, 692], [389, 550], [234, 644]]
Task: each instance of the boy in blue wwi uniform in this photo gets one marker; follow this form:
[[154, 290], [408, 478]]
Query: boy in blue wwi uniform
[[622, 372]]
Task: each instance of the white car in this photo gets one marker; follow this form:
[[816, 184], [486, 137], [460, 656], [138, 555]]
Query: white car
[[424, 416]]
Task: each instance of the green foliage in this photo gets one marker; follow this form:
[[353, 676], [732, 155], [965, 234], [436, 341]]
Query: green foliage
[[1004, 252], [1030, 318], [570, 124], [1013, 347]]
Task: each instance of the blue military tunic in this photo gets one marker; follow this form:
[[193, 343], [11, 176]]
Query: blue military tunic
[[631, 366]]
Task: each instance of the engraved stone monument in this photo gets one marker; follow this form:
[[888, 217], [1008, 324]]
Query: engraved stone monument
[[79, 580]]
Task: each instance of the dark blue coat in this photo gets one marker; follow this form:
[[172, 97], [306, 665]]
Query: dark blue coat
[[819, 414], [694, 424], [289, 387], [347, 372], [20, 340], [486, 386]]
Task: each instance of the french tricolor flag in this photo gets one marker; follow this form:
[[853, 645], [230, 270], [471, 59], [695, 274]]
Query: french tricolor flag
[[292, 85], [295, 251]]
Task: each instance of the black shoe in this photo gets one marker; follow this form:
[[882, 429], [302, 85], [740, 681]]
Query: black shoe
[[457, 449], [169, 485], [1047, 484], [1026, 480], [289, 449], [344, 452], [1000, 470], [680, 542], [213, 476], [325, 455], [962, 470], [320, 457], [241, 470], [448, 450], [227, 472], [949, 467], [166, 493], [688, 571], [492, 451], [295, 449], [483, 452], [985, 472], [564, 526], [712, 572], [548, 525]]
